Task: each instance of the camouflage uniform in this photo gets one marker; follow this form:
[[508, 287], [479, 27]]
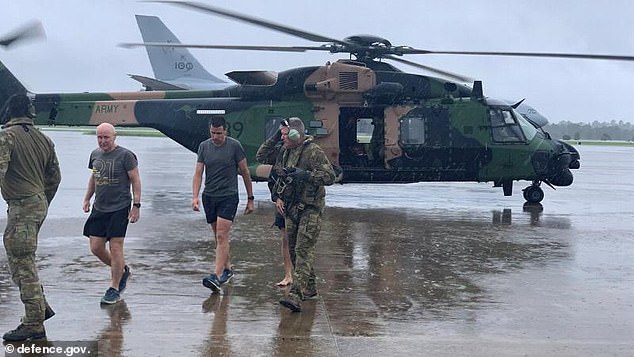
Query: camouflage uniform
[[304, 202], [29, 177]]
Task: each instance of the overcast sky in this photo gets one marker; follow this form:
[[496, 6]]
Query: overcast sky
[[81, 53]]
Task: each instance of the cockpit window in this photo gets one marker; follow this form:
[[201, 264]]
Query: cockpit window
[[527, 127], [504, 126]]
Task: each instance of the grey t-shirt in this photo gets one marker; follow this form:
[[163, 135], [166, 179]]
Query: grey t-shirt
[[221, 166], [112, 184]]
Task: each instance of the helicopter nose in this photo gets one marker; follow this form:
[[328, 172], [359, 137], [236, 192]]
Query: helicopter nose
[[566, 158], [574, 155], [562, 178]]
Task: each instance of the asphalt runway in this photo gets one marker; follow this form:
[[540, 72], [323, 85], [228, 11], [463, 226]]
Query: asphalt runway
[[431, 269]]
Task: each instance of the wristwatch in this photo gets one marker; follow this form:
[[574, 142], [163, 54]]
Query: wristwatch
[[137, 205], [251, 198]]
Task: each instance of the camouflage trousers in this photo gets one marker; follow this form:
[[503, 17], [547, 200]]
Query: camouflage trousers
[[24, 219], [302, 238]]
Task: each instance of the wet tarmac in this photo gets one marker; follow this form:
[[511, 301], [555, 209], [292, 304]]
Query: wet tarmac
[[432, 269]]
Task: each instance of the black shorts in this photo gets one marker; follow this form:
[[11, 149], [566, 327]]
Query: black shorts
[[223, 207], [107, 224], [280, 222]]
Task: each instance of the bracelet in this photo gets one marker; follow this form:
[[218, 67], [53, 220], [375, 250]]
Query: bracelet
[[251, 198], [137, 205]]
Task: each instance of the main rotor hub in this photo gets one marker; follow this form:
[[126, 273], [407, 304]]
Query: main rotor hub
[[367, 47], [368, 41]]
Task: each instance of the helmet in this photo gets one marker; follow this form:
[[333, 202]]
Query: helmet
[[18, 105]]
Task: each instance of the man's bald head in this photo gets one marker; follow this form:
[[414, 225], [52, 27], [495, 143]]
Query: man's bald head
[[106, 135], [106, 128]]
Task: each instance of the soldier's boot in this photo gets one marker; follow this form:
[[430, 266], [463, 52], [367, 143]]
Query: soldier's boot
[[292, 302], [310, 293], [26, 333]]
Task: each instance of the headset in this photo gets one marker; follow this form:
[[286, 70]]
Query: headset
[[293, 134]]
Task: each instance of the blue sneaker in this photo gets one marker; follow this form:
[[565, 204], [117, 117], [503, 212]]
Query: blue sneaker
[[111, 297], [212, 283], [226, 276], [124, 279]]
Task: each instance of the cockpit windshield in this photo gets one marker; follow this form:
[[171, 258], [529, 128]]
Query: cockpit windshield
[[509, 126], [527, 127]]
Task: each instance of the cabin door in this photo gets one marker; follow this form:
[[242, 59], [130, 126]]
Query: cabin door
[[360, 137]]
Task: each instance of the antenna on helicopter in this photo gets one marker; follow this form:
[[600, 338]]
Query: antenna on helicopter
[[477, 91]]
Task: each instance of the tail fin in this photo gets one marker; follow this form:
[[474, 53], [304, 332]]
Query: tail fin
[[170, 63], [9, 85]]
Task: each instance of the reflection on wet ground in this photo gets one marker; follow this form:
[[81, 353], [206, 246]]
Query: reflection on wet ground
[[431, 269], [111, 338]]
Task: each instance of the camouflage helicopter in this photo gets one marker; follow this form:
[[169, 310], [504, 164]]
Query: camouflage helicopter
[[376, 123]]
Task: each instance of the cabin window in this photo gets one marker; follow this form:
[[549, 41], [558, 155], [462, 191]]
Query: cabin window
[[365, 127], [504, 127], [413, 131]]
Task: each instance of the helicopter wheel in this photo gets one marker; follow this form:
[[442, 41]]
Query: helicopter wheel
[[533, 194]]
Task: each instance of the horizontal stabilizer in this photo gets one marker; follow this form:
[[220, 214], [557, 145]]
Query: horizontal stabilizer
[[253, 78], [155, 84]]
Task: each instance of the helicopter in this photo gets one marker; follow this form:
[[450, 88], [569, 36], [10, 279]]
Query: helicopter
[[376, 123]]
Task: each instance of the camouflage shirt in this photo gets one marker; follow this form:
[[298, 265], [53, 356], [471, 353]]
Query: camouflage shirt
[[309, 157], [28, 163]]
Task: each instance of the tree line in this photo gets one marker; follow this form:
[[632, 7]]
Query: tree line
[[612, 130]]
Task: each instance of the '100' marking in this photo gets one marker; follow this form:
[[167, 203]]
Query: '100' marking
[[188, 66]]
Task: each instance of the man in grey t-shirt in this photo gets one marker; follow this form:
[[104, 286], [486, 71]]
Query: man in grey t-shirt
[[220, 157], [114, 171]]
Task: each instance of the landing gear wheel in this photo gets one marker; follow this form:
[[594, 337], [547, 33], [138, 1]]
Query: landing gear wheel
[[533, 194]]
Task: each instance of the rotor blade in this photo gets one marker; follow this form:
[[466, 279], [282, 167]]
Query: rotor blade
[[227, 47], [450, 75], [253, 20], [28, 31], [412, 51]]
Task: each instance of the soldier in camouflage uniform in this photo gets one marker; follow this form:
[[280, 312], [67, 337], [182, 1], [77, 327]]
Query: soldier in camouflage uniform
[[301, 170], [29, 177]]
